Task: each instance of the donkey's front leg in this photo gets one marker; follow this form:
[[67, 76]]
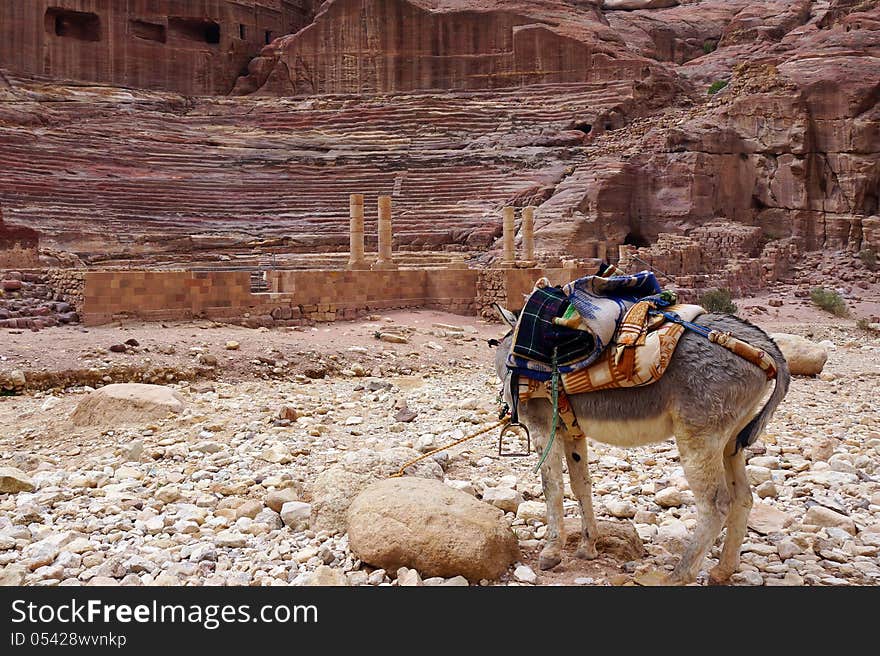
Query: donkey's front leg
[[582, 486], [551, 481]]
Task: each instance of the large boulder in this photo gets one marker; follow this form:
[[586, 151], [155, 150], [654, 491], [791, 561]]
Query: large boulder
[[127, 403], [333, 490], [805, 358], [428, 526]]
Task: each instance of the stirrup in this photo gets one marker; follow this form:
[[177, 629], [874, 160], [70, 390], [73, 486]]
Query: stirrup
[[515, 428]]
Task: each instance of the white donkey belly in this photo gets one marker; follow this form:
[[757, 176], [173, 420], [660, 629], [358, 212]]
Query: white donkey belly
[[632, 432]]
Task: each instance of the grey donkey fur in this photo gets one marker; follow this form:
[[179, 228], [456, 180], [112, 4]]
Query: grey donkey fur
[[707, 399]]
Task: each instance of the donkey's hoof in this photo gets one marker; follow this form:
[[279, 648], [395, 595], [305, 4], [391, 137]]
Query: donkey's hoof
[[549, 560], [718, 576], [587, 552]]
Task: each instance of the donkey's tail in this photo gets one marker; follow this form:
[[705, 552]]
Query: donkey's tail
[[756, 426]]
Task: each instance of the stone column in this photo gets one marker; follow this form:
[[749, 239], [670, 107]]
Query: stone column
[[356, 232], [528, 233], [508, 257], [385, 261]]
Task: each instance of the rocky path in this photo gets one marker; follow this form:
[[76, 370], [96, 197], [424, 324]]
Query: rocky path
[[198, 498]]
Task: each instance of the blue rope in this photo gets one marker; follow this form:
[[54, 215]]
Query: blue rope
[[555, 401], [697, 328]]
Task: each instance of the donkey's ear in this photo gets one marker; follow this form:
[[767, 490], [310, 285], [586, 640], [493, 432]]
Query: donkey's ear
[[506, 315]]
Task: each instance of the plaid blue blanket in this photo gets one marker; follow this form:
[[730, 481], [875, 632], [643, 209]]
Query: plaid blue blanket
[[602, 303]]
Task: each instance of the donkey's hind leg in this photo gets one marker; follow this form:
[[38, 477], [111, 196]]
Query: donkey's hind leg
[[702, 459], [737, 521], [581, 485]]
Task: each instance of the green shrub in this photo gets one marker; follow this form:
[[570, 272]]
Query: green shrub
[[719, 300], [868, 258], [717, 86], [862, 324], [709, 46], [830, 301]]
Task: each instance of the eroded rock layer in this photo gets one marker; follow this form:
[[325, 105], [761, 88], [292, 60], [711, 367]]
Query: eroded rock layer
[[114, 171]]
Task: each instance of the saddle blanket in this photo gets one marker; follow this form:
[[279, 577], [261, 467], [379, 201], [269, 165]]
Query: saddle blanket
[[579, 319], [633, 363]]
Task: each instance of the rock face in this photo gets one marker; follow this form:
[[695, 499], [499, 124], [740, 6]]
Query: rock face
[[125, 403], [805, 358], [194, 47], [718, 140], [428, 526], [414, 44]]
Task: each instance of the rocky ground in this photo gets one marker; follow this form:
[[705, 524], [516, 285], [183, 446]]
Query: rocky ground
[[303, 417]]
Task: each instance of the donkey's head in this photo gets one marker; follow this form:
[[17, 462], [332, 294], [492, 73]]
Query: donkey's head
[[510, 318]]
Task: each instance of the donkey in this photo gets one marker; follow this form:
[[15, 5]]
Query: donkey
[[709, 399]]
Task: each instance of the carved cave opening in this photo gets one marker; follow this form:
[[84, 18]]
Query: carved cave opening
[[148, 31], [195, 29], [586, 128], [79, 25], [242, 32], [635, 238]]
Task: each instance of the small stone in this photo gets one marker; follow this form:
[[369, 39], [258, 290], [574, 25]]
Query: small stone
[[232, 345], [748, 577], [376, 577], [12, 576], [532, 510], [501, 497], [250, 509], [821, 516], [327, 576], [669, 497], [525, 574], [118, 348], [409, 579], [456, 581], [405, 415], [230, 539], [288, 412], [621, 509], [277, 498], [168, 493], [766, 519], [767, 490], [787, 549], [790, 579], [391, 338], [206, 359], [296, 515], [757, 474], [13, 480]]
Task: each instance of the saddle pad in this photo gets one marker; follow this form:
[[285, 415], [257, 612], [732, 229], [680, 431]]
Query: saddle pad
[[634, 365], [536, 335]]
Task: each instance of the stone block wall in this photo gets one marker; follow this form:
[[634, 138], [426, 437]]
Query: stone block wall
[[296, 297]]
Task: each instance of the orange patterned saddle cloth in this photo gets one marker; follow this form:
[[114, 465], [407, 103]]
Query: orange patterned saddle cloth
[[639, 355]]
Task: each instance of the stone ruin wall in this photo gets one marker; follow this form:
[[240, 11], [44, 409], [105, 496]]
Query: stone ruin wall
[[194, 47], [296, 298], [720, 254], [31, 300]]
